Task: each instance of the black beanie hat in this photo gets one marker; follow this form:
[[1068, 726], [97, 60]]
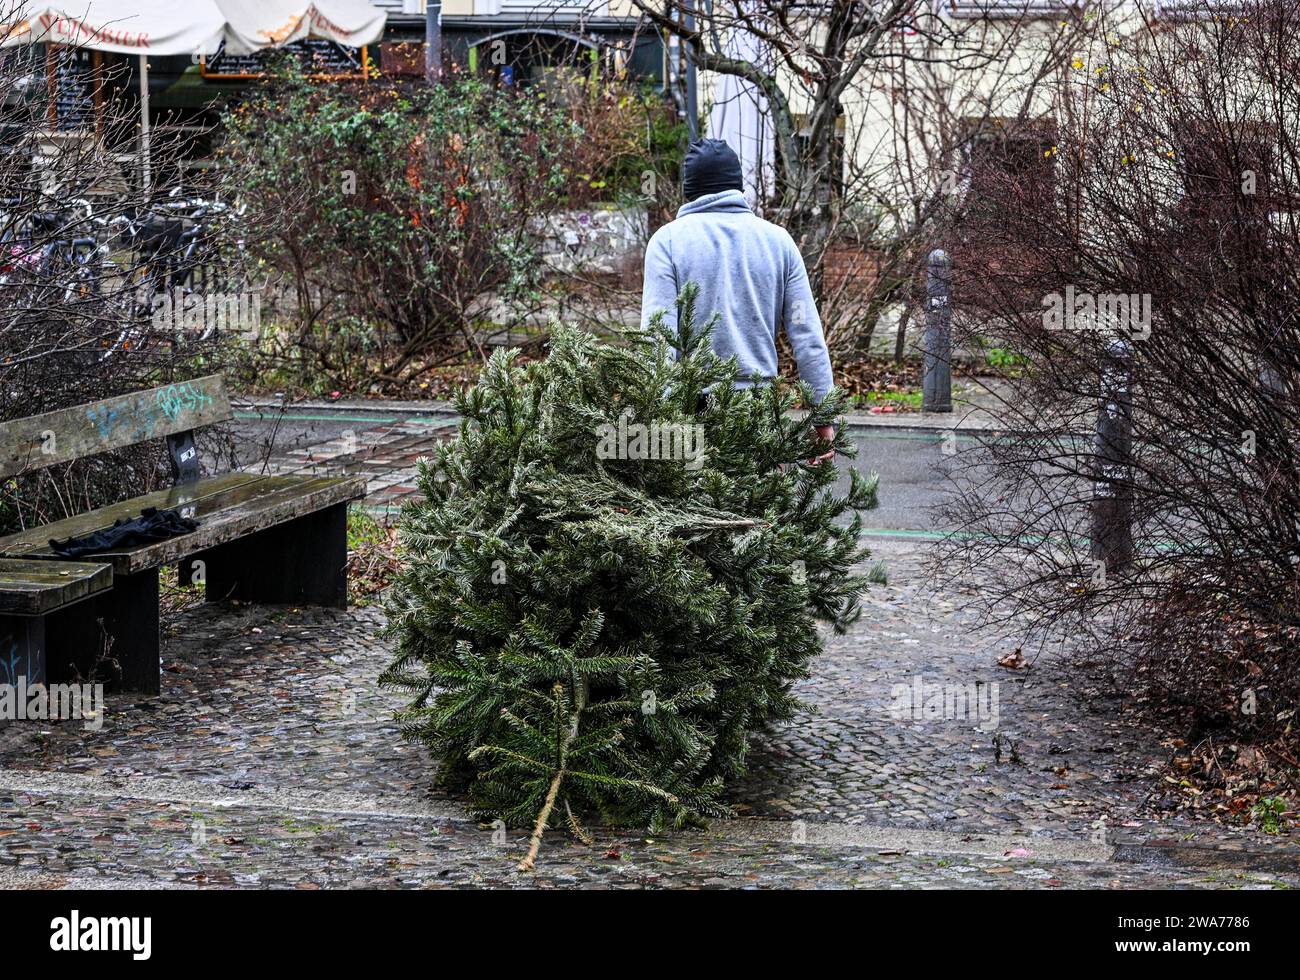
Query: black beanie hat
[[711, 166]]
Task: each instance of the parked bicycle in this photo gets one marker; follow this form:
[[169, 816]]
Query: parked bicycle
[[175, 254], [152, 273]]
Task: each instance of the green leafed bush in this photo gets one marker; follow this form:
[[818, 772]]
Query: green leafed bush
[[388, 212], [585, 631]]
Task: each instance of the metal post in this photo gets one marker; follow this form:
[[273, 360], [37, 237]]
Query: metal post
[[1112, 502], [432, 40], [146, 165], [936, 379]]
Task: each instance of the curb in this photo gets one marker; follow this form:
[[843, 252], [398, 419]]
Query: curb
[[906, 422], [346, 405], [926, 422], [1193, 856]]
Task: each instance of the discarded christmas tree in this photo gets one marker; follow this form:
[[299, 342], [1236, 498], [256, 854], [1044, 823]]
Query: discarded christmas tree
[[611, 587]]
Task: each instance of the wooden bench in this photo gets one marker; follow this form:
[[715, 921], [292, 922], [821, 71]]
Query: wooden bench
[[31, 590], [260, 538]]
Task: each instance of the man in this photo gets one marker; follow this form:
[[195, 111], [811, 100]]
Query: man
[[747, 269]]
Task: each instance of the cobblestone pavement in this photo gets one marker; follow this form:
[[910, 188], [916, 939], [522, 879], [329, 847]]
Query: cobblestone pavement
[[1045, 754], [54, 841], [271, 760]]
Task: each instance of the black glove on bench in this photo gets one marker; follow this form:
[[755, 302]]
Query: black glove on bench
[[152, 525]]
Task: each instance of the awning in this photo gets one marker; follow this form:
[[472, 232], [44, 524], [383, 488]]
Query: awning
[[193, 27], [164, 27], [140, 27], [255, 24]]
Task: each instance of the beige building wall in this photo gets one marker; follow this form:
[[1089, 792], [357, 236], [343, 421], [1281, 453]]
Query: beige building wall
[[900, 118]]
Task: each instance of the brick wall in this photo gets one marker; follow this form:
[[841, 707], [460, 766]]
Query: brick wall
[[849, 266]]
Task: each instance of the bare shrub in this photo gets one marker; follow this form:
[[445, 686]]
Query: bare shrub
[[1161, 269], [79, 280]]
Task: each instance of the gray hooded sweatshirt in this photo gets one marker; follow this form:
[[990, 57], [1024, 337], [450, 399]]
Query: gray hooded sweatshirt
[[748, 270]]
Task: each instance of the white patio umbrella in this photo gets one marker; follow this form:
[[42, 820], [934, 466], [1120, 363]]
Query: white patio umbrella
[[740, 116], [138, 27], [255, 24], [193, 27]]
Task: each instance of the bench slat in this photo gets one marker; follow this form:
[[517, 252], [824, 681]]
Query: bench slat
[[224, 514], [30, 587], [80, 525], [72, 433]]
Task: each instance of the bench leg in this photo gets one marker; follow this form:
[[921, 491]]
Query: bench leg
[[129, 616], [22, 649], [299, 562]]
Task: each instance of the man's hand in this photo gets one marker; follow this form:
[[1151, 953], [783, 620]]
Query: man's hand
[[826, 433]]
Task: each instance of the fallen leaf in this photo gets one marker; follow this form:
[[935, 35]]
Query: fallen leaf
[[1013, 660]]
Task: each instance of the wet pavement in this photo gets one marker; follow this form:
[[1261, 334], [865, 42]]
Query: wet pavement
[[381, 445], [978, 746], [271, 760], [70, 842]]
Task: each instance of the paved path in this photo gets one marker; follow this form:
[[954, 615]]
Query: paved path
[[271, 760], [911, 452], [379, 444]]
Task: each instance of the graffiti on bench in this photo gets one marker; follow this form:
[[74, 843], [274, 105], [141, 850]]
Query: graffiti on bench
[[71, 433], [16, 660], [139, 417]]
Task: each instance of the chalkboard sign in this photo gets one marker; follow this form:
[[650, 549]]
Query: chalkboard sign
[[72, 88], [319, 58]]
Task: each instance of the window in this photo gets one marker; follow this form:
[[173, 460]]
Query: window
[[535, 10], [1221, 220], [803, 137], [1010, 163], [1006, 194], [1222, 167]]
